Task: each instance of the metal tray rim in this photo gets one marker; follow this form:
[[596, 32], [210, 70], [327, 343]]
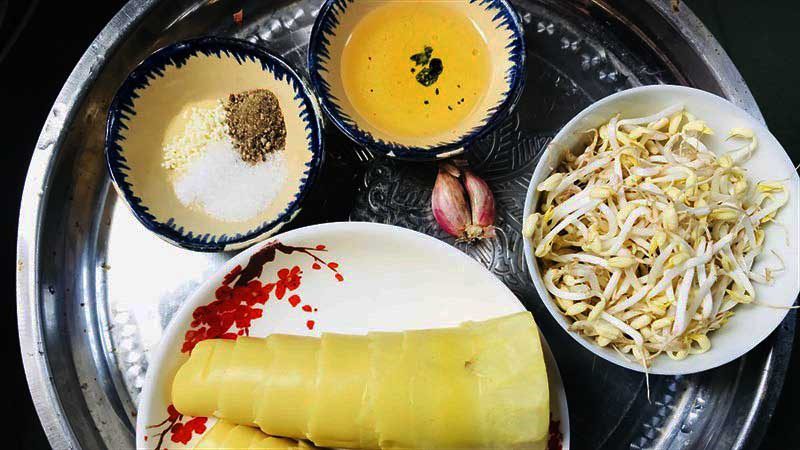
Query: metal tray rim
[[31, 335], [31, 328]]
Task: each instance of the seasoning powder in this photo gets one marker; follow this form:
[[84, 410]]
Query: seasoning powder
[[255, 122]]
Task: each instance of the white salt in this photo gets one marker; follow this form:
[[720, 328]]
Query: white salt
[[227, 188]]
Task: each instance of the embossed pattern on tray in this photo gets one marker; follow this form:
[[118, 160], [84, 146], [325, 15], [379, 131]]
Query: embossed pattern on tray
[[111, 308], [568, 69]]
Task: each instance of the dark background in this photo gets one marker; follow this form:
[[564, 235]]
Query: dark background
[[40, 43]]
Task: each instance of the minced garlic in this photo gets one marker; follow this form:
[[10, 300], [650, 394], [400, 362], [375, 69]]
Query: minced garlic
[[203, 125]]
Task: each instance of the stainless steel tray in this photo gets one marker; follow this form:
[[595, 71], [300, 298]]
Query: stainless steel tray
[[95, 289]]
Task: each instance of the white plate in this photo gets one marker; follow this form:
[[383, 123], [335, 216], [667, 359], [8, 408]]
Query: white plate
[[391, 279], [751, 323]]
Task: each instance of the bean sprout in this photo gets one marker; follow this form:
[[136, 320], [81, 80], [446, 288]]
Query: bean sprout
[[647, 238]]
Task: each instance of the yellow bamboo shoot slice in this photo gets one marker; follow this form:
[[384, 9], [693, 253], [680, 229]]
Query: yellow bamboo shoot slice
[[229, 436], [342, 384], [389, 380], [444, 391], [241, 437], [514, 395], [213, 438], [274, 443], [283, 405], [248, 368], [366, 422], [197, 384], [481, 385]]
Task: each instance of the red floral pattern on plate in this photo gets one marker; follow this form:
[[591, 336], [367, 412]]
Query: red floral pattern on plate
[[555, 440], [178, 430], [239, 300]]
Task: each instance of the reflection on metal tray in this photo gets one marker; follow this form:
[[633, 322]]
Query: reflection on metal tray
[[95, 290]]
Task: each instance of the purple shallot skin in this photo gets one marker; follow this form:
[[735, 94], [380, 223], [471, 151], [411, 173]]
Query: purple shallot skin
[[482, 206], [449, 202]]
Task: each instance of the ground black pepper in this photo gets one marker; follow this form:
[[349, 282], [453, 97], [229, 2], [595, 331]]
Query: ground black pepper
[[255, 122]]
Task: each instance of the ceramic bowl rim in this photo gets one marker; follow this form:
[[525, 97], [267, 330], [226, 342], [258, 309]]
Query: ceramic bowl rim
[[699, 364], [518, 73], [114, 125]]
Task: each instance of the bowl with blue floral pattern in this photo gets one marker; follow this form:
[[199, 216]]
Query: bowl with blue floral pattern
[[417, 79], [182, 152]]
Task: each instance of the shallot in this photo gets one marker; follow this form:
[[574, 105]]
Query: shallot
[[463, 204]]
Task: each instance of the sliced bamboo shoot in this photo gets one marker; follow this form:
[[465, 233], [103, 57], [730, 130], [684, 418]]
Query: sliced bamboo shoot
[[389, 381], [248, 368], [226, 435], [214, 437], [480, 385], [514, 393], [341, 386], [283, 407], [444, 389], [240, 437], [203, 378]]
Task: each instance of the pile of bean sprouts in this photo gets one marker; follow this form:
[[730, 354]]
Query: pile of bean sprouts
[[646, 240]]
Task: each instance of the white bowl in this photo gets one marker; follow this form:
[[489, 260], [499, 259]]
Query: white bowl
[[750, 324]]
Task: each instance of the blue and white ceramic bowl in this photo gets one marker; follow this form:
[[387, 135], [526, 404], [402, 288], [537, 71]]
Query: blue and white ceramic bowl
[[497, 22], [193, 72]]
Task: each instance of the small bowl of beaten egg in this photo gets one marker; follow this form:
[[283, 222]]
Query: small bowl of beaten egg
[[213, 143], [417, 79]]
